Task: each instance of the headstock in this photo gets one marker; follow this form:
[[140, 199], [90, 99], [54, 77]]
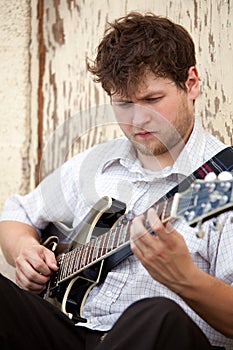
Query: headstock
[[204, 199]]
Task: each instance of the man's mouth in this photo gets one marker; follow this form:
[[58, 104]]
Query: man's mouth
[[143, 134]]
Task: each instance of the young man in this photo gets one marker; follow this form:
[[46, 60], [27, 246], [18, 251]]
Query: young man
[[175, 291]]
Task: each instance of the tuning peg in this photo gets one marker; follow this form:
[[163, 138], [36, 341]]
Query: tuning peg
[[210, 176], [225, 175]]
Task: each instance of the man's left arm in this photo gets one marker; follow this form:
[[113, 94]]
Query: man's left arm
[[166, 257]]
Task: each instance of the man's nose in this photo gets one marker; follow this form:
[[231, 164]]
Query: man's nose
[[141, 115]]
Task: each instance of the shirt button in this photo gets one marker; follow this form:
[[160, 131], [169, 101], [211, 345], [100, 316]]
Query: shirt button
[[108, 293]]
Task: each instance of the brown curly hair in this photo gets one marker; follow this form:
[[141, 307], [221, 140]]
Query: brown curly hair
[[136, 43]]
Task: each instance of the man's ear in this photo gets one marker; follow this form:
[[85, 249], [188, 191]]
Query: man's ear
[[192, 83]]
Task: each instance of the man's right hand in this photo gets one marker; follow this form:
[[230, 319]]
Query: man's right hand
[[34, 266], [33, 262]]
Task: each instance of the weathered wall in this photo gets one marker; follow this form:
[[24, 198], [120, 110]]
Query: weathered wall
[[15, 98], [44, 80], [14, 94], [72, 31]]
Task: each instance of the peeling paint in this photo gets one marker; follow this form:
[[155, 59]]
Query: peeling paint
[[217, 104], [195, 2], [57, 27]]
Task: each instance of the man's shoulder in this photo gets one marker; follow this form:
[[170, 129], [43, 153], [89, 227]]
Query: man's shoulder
[[213, 145], [112, 149]]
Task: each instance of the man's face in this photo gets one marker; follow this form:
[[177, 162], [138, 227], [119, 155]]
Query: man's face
[[159, 116]]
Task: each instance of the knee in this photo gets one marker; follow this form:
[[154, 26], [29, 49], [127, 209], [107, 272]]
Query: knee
[[158, 303], [162, 306], [165, 304]]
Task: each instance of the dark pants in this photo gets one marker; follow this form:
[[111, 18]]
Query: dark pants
[[29, 322]]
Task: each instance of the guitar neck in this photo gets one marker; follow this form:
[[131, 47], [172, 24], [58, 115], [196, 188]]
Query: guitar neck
[[103, 246]]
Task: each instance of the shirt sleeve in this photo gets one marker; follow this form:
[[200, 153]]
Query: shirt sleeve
[[54, 199], [220, 235]]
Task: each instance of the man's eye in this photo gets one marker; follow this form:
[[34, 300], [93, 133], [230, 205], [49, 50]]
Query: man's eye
[[153, 99], [123, 104]]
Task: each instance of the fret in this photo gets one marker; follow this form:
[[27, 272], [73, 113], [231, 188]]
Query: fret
[[108, 239], [91, 252], [76, 257], [62, 266], [123, 232], [96, 249], [102, 245], [105, 243], [111, 238], [66, 265], [88, 253], [116, 238], [83, 256], [69, 263]]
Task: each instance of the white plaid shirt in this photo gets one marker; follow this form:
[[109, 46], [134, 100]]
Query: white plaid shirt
[[112, 169]]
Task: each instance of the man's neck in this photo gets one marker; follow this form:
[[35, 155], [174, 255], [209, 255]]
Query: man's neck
[[159, 162]]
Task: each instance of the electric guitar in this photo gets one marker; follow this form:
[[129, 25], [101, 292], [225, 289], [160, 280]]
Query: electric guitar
[[85, 265]]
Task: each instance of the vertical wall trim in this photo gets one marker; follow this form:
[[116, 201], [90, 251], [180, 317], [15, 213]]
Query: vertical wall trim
[[41, 54]]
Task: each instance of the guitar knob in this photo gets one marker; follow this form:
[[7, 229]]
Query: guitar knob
[[225, 186], [196, 187], [206, 207], [190, 215], [211, 186], [223, 200], [224, 176], [210, 176]]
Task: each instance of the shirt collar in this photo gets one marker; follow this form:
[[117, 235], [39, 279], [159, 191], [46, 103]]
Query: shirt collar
[[120, 151]]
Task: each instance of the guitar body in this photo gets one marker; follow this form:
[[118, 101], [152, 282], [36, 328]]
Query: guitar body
[[71, 293]]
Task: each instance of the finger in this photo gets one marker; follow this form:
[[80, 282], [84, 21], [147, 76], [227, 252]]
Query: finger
[[31, 281], [160, 229], [141, 240], [26, 269], [50, 260], [44, 262], [151, 219], [138, 229]]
